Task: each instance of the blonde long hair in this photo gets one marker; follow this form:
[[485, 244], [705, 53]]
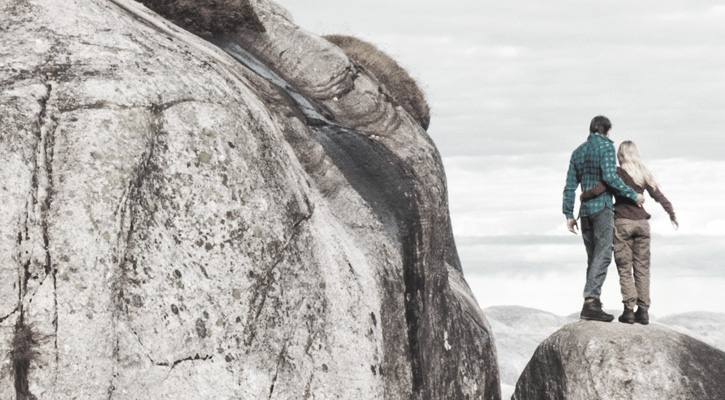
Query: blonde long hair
[[631, 161]]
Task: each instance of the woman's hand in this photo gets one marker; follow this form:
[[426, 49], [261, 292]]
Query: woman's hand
[[675, 224]]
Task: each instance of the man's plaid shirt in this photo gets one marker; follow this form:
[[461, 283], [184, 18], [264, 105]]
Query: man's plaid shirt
[[592, 162]]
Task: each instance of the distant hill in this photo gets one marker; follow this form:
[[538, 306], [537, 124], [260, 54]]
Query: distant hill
[[708, 327]]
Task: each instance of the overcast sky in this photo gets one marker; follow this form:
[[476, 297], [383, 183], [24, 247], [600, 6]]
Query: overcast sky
[[513, 86]]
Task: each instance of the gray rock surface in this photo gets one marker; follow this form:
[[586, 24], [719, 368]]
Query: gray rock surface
[[596, 360], [175, 225], [518, 331]]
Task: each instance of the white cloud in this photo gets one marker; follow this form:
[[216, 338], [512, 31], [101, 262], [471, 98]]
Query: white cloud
[[717, 11], [715, 228], [501, 74]]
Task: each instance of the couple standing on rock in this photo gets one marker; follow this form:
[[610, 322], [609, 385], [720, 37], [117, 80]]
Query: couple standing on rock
[[604, 225]]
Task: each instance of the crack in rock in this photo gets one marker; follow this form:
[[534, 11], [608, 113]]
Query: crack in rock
[[2, 319], [197, 357], [259, 296], [109, 105], [36, 215], [48, 146], [280, 359], [143, 347]]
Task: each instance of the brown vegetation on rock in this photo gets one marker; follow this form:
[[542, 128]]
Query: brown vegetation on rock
[[401, 87], [210, 17]]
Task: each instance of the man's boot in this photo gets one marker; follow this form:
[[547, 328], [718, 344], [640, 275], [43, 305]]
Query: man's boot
[[641, 316], [592, 311], [627, 316]]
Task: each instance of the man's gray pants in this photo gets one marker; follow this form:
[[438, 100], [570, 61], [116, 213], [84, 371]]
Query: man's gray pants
[[597, 231]]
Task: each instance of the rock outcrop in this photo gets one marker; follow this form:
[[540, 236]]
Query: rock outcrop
[[180, 221], [518, 332], [398, 85], [595, 360]]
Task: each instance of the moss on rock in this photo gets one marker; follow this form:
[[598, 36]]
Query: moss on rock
[[403, 89], [208, 17]]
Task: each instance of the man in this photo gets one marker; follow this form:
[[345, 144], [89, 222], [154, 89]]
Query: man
[[592, 162]]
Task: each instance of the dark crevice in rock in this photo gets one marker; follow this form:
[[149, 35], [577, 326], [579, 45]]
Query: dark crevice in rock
[[2, 319], [100, 105], [131, 196], [107, 105], [303, 218], [48, 143], [24, 352], [24, 270], [29, 296], [311, 340], [143, 347], [26, 340], [21, 75], [274, 380], [389, 189], [23, 273], [280, 360], [172, 364], [127, 214], [197, 357], [42, 175], [34, 198], [383, 180], [111, 384], [24, 278], [124, 215]]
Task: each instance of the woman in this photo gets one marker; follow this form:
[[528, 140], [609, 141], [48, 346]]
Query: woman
[[632, 233]]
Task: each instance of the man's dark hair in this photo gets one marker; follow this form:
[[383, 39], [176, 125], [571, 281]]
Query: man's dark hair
[[600, 124]]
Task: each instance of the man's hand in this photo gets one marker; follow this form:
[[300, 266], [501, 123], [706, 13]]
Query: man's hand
[[571, 225], [640, 199], [675, 224]]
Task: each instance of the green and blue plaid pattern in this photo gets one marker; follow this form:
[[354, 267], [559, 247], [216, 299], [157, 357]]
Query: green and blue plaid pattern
[[592, 162]]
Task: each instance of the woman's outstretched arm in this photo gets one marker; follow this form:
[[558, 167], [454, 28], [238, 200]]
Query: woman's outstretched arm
[[659, 197]]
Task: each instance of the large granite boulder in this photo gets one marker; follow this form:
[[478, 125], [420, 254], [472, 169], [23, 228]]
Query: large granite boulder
[[518, 332], [178, 222], [596, 360]]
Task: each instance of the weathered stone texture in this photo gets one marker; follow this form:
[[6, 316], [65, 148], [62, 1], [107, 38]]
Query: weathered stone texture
[[175, 226], [596, 360]]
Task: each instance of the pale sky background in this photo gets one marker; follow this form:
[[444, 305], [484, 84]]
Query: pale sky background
[[513, 86]]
